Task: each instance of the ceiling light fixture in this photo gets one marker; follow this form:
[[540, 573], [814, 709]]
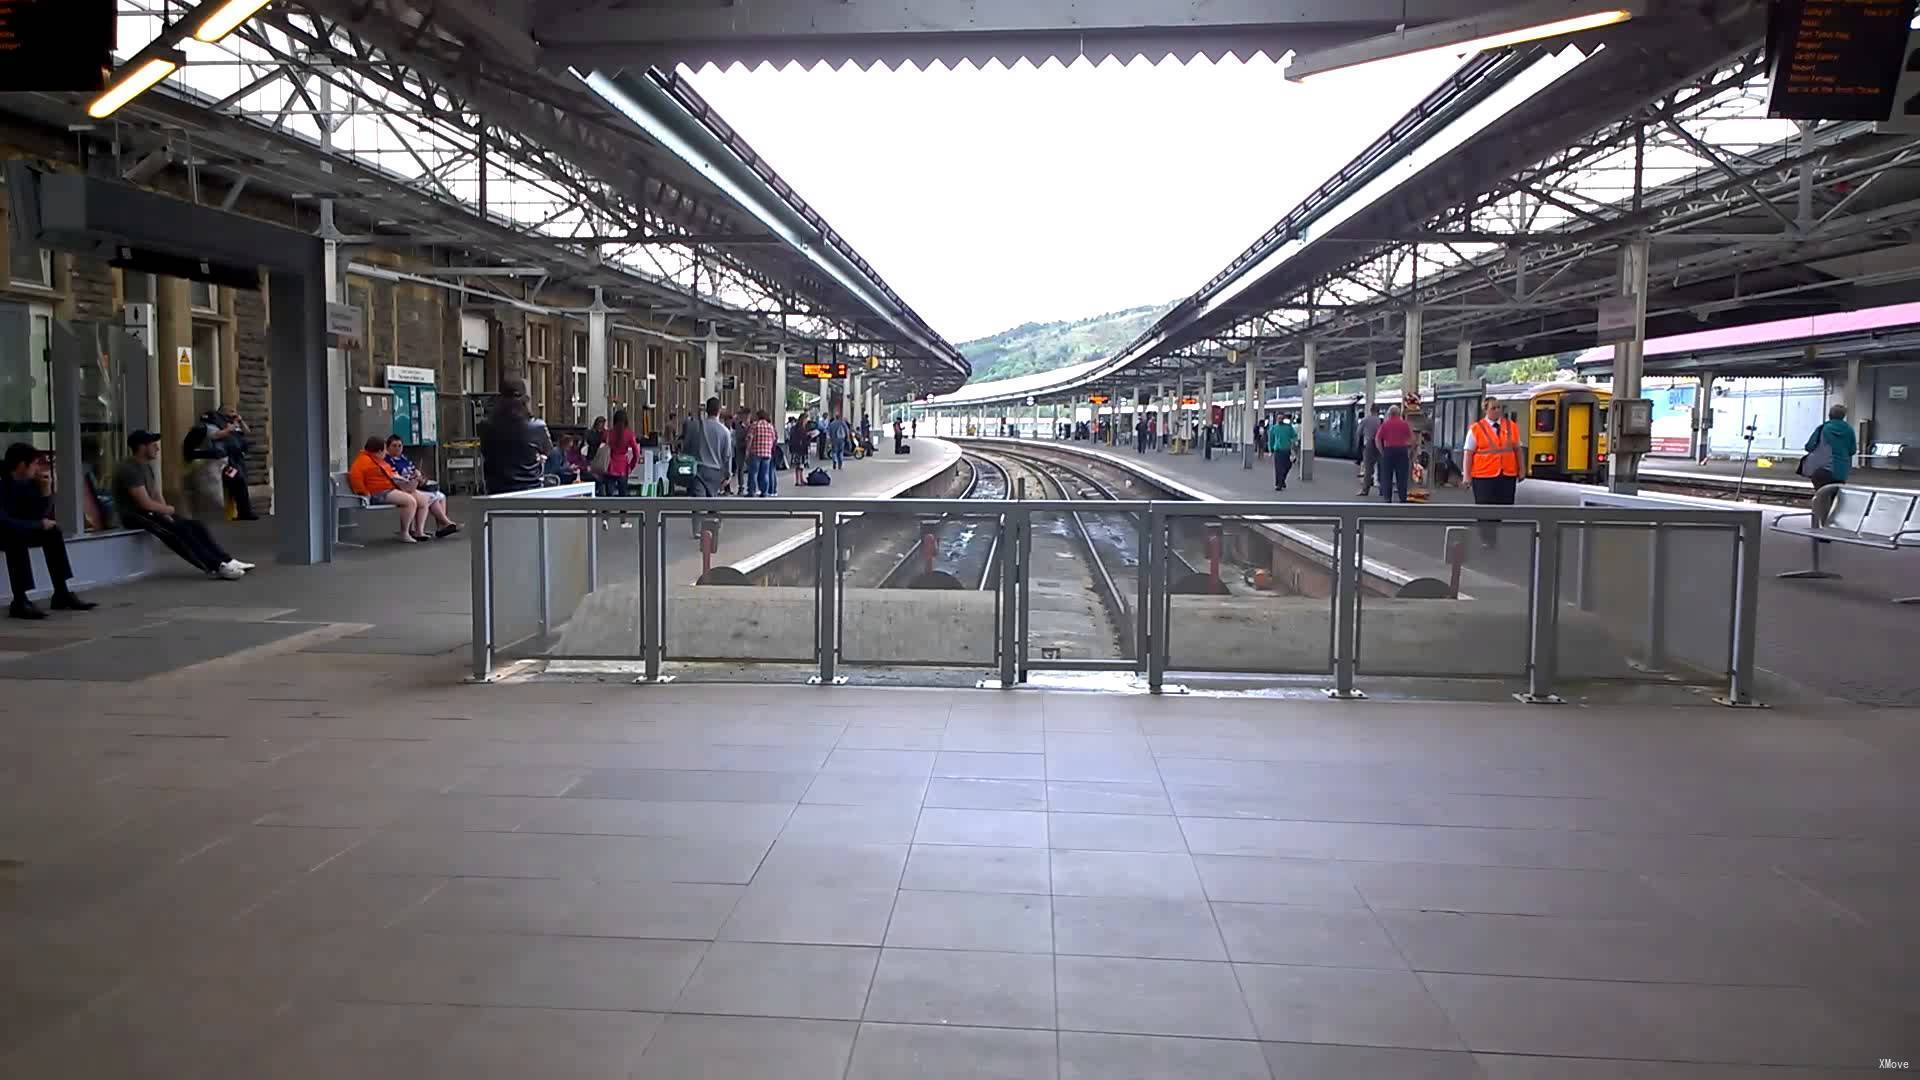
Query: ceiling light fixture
[[226, 19], [1493, 30], [131, 83]]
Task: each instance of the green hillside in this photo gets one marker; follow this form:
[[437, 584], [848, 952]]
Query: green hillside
[[1035, 347]]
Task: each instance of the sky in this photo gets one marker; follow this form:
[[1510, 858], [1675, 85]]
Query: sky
[[992, 197]]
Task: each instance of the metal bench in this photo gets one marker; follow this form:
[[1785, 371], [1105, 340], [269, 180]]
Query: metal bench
[[1863, 517], [346, 508]]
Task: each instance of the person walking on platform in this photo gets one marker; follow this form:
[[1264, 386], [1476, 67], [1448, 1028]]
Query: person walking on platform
[[1369, 452], [26, 522], [1493, 464], [1395, 440], [623, 458], [1830, 451], [710, 444], [837, 434], [1281, 437]]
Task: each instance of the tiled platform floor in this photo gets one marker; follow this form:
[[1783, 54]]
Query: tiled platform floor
[[352, 867]]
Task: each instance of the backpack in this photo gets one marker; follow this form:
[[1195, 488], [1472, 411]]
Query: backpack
[[818, 478]]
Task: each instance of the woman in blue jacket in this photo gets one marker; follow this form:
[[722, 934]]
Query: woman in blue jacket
[[1830, 452]]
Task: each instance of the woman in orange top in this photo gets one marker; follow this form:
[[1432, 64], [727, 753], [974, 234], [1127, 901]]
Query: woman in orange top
[[371, 477]]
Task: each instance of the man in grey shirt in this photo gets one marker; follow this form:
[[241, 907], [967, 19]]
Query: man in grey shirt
[[1369, 453], [710, 444]]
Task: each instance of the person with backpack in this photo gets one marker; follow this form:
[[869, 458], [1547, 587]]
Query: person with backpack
[[204, 447]]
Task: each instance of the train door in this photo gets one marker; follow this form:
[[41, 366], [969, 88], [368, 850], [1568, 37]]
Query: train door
[[1578, 449]]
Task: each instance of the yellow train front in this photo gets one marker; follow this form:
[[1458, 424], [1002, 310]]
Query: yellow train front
[[1565, 425]]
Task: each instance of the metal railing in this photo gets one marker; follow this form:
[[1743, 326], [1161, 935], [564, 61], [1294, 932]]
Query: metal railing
[[539, 535]]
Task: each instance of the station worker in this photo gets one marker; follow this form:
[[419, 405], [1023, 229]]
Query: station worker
[[1493, 463]]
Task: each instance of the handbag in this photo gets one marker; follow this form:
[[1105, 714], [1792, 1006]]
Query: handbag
[[602, 458], [1820, 457], [779, 458]]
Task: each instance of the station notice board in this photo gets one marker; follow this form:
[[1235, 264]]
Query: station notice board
[[1835, 59], [55, 46]]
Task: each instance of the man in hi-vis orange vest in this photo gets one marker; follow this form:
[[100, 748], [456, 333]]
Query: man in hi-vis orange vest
[[1493, 463]]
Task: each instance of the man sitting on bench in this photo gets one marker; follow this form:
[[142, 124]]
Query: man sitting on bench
[[136, 498], [26, 522]]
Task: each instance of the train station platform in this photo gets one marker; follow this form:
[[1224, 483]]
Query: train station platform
[[1778, 473], [315, 864], [1801, 645]]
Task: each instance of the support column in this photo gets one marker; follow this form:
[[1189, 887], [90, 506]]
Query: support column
[[1700, 446], [709, 367], [1308, 363], [1372, 387], [1410, 384], [1246, 416], [1628, 356], [1206, 412], [826, 400], [779, 410], [597, 357], [332, 290], [1852, 398], [1179, 401], [297, 309], [1463, 362]]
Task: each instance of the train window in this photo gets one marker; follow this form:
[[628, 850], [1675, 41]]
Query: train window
[[1544, 419]]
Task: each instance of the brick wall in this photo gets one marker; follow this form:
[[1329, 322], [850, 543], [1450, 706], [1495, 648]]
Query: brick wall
[[254, 376]]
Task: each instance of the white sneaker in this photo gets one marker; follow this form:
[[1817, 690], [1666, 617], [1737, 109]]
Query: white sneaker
[[242, 566], [229, 572]]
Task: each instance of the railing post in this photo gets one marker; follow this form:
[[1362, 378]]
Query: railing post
[[1660, 545], [1143, 640], [1010, 592], [1544, 635], [546, 573], [1158, 594], [653, 596], [1346, 601], [827, 597], [593, 552], [1746, 615], [481, 554]]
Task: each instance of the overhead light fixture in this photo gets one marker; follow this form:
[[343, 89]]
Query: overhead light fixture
[[226, 19], [1493, 30], [131, 83]]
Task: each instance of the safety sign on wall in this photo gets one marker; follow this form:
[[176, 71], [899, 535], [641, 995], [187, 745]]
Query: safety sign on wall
[[183, 365]]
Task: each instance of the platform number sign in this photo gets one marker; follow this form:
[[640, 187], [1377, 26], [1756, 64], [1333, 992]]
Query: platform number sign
[[1905, 116]]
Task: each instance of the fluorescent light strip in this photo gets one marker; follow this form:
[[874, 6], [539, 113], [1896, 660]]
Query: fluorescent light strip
[[1459, 37], [227, 19], [131, 85]]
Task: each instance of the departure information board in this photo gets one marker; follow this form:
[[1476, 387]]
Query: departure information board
[[1835, 59], [61, 46]]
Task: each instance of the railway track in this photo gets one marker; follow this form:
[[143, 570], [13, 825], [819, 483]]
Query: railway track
[[964, 549], [1076, 610]]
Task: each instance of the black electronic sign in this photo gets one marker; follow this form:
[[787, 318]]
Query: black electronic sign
[[55, 46], [1835, 59]]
